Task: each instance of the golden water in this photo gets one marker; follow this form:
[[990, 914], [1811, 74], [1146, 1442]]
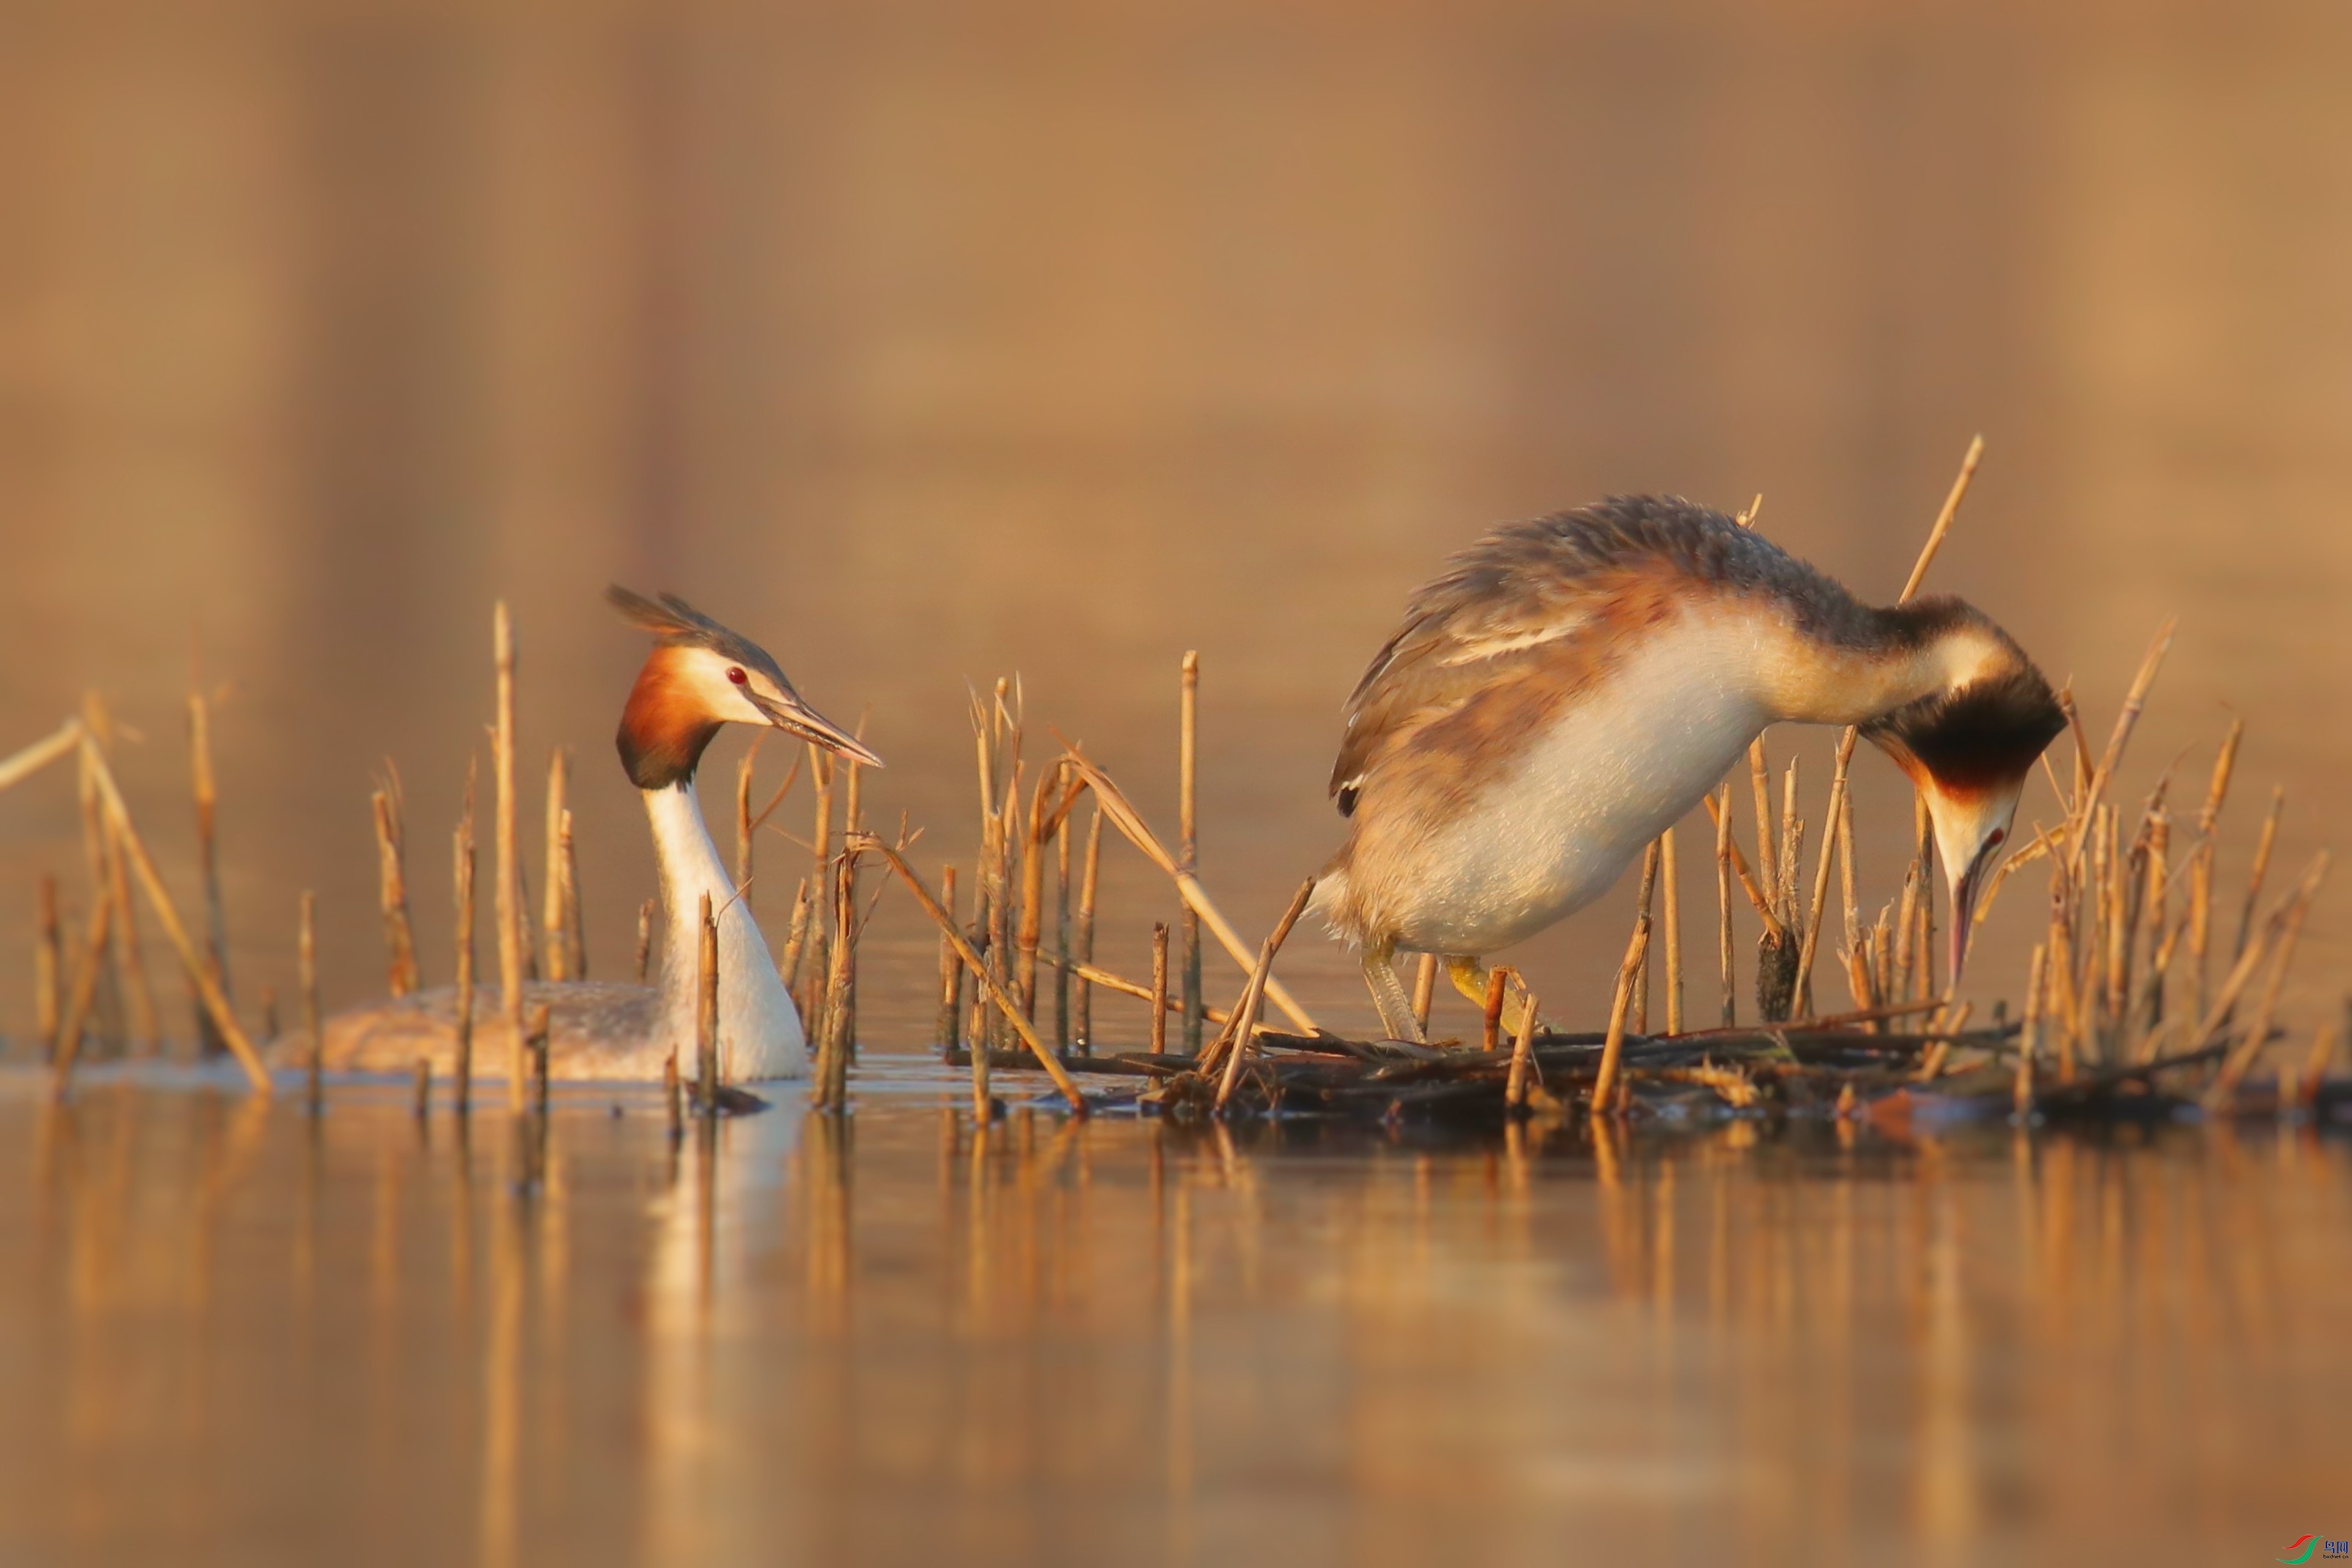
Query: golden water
[[235, 1335]]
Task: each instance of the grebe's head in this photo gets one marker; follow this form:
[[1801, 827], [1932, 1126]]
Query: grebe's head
[[1969, 746], [699, 677]]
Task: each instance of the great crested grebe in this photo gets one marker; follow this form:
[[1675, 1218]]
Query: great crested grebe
[[699, 677], [1569, 687]]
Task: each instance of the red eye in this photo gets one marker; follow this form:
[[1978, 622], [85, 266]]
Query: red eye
[[735, 673], [1993, 839]]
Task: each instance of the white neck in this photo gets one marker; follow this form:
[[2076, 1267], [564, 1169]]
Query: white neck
[[759, 1029]]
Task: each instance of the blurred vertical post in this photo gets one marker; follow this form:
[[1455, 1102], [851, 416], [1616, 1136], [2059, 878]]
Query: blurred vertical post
[[509, 880], [207, 799], [1188, 851]]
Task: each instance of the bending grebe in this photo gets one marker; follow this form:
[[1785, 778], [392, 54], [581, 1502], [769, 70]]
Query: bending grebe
[[1569, 687], [699, 677]]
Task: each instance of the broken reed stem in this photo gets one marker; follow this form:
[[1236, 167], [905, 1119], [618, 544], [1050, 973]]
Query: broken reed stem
[[552, 897], [1612, 1050], [106, 994], [1062, 929], [1130, 824], [207, 802], [1188, 842], [811, 966], [1727, 848], [1243, 1029], [542, 1046], [88, 967], [950, 973], [1673, 932], [705, 1010], [146, 1027], [2250, 1046], [49, 965], [208, 990], [2126, 720], [1033, 894], [1490, 1017], [1424, 991], [838, 1041], [306, 965], [1641, 977], [461, 892], [392, 887], [1720, 808], [508, 882], [1089, 882], [1006, 1002], [2028, 1037], [1523, 1058], [1159, 997], [1759, 780], [2259, 871]]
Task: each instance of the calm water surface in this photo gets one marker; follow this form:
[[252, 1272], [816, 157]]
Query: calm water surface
[[231, 1333]]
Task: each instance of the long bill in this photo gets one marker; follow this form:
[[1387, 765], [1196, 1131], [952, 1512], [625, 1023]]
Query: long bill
[[790, 714]]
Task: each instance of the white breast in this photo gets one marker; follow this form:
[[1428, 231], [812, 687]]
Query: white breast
[[1623, 761]]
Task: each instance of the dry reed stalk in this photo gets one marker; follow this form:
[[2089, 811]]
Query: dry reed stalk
[[706, 1007], [1522, 1059], [1906, 935], [674, 1094], [1728, 847], [509, 879], [306, 966], [1673, 932], [2250, 1047], [88, 965], [1188, 842], [1006, 1002], [1759, 780], [1642, 976], [392, 888], [1159, 997], [1002, 922], [950, 973], [1721, 811], [49, 965], [1612, 1050], [646, 912], [461, 892], [843, 997], [1490, 1016], [1424, 991], [554, 899], [1243, 1027], [542, 1046], [146, 1026], [208, 990], [2200, 921], [835, 1044], [2259, 871], [2155, 903], [812, 964], [2030, 1026], [2126, 720], [207, 802], [749, 822], [1791, 840], [421, 1103], [1089, 882], [1033, 894], [54, 747], [2315, 1065], [1062, 931], [105, 1021], [1130, 824]]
